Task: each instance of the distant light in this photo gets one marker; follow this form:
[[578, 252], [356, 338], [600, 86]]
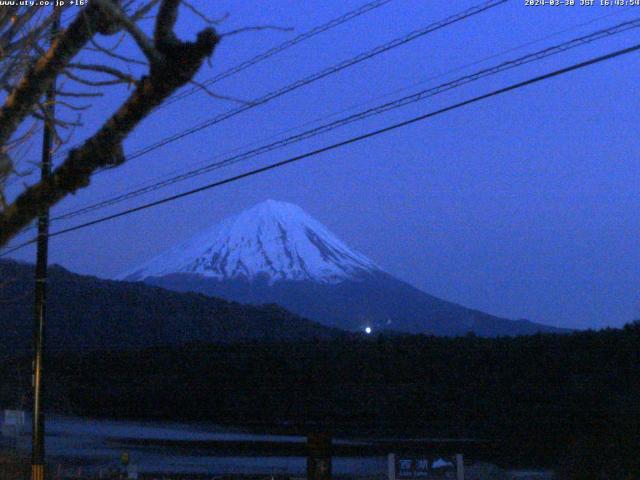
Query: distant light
[[367, 330]]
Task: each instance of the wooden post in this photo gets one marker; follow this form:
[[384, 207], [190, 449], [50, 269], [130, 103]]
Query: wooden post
[[459, 467], [391, 459], [37, 428], [318, 456]]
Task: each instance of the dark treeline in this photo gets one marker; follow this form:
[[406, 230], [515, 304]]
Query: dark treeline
[[570, 400], [89, 313]]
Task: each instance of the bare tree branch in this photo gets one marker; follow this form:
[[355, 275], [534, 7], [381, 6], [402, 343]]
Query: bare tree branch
[[163, 35], [126, 78], [217, 96], [178, 64], [144, 42], [255, 29], [109, 52], [64, 93], [94, 83], [142, 11], [39, 77], [55, 121], [70, 106], [208, 21]]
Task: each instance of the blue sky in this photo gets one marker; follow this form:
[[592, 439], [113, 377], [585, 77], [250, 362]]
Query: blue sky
[[524, 206]]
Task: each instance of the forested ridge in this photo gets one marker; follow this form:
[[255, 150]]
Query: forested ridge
[[547, 399]]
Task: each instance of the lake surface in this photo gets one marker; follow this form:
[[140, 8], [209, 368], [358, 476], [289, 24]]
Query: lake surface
[[176, 447]]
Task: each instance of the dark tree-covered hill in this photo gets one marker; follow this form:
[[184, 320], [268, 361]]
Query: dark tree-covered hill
[[87, 313], [568, 401]]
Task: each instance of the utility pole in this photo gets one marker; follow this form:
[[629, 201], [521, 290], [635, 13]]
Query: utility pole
[[37, 430]]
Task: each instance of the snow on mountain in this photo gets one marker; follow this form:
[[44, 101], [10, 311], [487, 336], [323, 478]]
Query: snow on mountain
[[273, 240]]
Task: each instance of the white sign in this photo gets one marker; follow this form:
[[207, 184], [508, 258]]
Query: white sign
[[14, 422]]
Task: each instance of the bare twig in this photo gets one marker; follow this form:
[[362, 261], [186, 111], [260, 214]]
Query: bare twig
[[55, 121], [22, 138], [209, 21], [142, 11], [39, 77], [217, 95], [75, 108], [144, 42], [94, 83], [126, 78], [174, 66], [64, 93], [255, 29], [112, 54]]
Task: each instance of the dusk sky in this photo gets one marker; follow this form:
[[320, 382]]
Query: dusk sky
[[524, 206]]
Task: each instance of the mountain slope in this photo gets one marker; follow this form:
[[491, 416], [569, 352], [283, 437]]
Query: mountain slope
[[379, 302], [87, 312], [276, 253]]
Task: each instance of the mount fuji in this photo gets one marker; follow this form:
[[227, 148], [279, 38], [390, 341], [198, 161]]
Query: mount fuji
[[276, 253], [272, 242]]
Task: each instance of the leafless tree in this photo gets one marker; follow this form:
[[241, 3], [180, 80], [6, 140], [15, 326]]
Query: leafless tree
[[30, 60]]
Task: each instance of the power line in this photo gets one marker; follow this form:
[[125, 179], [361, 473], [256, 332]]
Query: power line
[[475, 10], [469, 12], [273, 51], [152, 182], [377, 110], [343, 143], [279, 48]]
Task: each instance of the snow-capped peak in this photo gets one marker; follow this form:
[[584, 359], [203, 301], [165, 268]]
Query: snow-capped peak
[[272, 240]]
